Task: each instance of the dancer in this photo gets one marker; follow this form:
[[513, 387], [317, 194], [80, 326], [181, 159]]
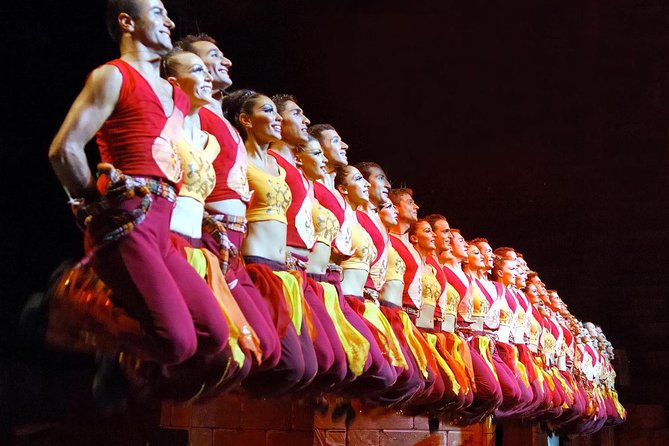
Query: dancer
[[197, 150], [335, 151], [322, 260], [488, 393], [451, 346], [228, 200], [355, 190], [515, 385], [255, 117], [301, 236], [447, 386], [138, 117], [407, 213]]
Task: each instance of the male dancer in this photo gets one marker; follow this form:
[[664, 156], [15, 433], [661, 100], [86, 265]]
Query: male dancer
[[228, 201], [138, 116], [412, 300], [446, 311], [335, 151]]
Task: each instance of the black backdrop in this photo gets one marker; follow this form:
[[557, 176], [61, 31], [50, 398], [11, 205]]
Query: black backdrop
[[539, 125]]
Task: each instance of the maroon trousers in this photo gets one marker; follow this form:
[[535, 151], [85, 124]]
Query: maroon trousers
[[154, 284], [297, 365]]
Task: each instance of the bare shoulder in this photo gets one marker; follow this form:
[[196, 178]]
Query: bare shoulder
[[273, 164], [104, 83]]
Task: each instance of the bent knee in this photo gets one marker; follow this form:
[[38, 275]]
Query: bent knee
[[178, 348]]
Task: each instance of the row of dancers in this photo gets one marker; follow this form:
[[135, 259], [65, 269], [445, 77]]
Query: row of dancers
[[231, 245]]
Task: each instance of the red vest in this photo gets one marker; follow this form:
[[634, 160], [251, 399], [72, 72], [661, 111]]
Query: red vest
[[138, 138]]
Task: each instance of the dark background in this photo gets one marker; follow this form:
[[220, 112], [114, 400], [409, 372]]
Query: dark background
[[539, 125]]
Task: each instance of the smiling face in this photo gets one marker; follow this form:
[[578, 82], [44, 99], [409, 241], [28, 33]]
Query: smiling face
[[475, 258], [354, 187], [217, 64], [407, 208], [294, 127], [311, 160], [531, 293], [539, 285], [191, 75], [334, 148], [263, 123], [152, 27], [422, 237], [554, 300], [388, 214], [507, 273], [459, 246], [443, 236], [488, 257], [379, 186]]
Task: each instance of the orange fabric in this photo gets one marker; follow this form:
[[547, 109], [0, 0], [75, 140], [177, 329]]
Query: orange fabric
[[460, 350], [308, 314], [441, 361], [270, 287], [457, 365], [246, 335]]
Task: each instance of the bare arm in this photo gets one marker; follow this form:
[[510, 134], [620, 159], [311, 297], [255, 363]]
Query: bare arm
[[89, 111]]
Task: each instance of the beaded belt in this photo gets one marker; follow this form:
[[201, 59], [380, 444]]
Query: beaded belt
[[334, 268], [217, 230], [120, 188], [232, 222], [411, 311], [295, 264], [372, 295]]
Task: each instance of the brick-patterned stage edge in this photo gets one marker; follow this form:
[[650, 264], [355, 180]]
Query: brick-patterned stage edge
[[236, 420]]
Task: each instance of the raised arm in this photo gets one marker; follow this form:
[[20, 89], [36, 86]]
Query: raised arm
[[89, 111]]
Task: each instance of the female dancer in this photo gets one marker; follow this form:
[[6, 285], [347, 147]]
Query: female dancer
[[451, 392], [301, 236], [331, 213], [197, 150], [488, 393], [255, 117], [355, 190]]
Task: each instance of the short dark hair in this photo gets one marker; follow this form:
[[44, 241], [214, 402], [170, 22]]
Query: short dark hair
[[281, 99], [116, 7], [531, 275], [187, 42], [365, 168], [396, 194], [478, 240], [317, 130], [432, 219], [503, 252]]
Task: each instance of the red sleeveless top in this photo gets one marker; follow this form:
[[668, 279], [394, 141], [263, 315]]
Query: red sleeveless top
[[230, 164], [301, 231], [412, 293], [328, 200], [138, 138], [443, 283], [380, 240]]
